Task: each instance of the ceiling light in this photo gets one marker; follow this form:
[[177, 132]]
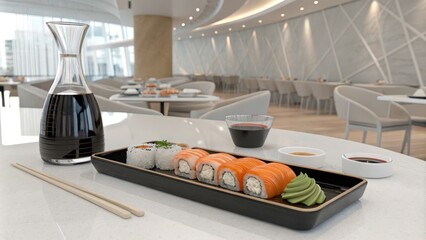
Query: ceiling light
[[260, 21], [178, 38], [215, 32], [315, 2], [202, 34], [243, 26], [174, 28], [190, 36], [183, 24], [190, 17], [229, 29], [282, 14], [302, 8], [197, 9]]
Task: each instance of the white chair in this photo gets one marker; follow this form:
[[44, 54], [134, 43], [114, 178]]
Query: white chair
[[107, 105], [323, 92], [103, 89], [285, 88], [269, 85], [229, 82], [113, 82], [417, 112], [304, 91], [361, 110], [184, 109], [251, 84], [174, 81], [34, 95], [253, 103], [30, 96]]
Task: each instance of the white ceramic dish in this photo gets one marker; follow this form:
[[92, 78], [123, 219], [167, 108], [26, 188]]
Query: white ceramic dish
[[367, 165], [131, 91], [302, 156]]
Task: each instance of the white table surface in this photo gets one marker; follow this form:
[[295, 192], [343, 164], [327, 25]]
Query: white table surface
[[391, 208], [401, 99]]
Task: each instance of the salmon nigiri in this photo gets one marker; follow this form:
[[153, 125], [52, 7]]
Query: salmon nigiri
[[206, 167], [267, 181], [231, 174], [184, 162]]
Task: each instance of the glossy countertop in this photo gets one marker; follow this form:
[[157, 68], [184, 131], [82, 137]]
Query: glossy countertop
[[391, 208]]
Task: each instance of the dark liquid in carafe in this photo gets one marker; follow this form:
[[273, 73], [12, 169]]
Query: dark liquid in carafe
[[71, 127]]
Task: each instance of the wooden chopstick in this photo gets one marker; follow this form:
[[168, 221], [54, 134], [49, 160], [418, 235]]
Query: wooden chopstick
[[111, 205]]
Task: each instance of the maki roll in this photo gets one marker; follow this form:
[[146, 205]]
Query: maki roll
[[184, 162], [231, 174], [207, 167], [165, 153], [267, 181], [142, 156]]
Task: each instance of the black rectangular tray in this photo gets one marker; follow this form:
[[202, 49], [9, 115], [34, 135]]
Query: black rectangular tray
[[341, 190]]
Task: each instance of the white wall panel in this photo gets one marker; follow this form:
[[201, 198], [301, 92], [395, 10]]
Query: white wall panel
[[362, 41]]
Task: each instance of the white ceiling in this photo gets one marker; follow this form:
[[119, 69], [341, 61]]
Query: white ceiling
[[220, 15]]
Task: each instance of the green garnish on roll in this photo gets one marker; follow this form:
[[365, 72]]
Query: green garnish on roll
[[305, 190], [163, 144]]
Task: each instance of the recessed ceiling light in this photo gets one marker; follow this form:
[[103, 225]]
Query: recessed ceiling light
[[260, 21], [202, 34], [315, 2], [190, 36], [190, 17], [229, 29], [282, 14], [183, 24], [197, 9], [302, 8], [215, 32], [174, 28], [178, 38], [243, 26]]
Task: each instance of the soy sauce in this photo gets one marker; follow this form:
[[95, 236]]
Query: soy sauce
[[249, 135], [70, 127], [367, 160]]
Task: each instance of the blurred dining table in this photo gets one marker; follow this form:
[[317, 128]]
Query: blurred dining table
[[164, 101], [403, 99]]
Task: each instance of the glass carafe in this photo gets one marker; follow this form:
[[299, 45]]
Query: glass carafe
[[71, 123]]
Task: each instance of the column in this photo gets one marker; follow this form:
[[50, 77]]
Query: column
[[153, 46]]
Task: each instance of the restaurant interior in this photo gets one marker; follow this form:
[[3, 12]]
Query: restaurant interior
[[339, 77]]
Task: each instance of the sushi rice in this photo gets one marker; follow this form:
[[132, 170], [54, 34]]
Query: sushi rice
[[142, 156], [164, 156]]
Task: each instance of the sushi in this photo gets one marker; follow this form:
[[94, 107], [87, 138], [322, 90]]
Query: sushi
[[184, 162], [267, 181], [142, 156], [164, 154], [206, 167], [231, 174]]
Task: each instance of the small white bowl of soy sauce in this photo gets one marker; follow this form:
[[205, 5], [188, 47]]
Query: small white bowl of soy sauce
[[367, 165]]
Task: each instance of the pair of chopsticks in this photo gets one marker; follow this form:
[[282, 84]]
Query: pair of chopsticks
[[118, 208]]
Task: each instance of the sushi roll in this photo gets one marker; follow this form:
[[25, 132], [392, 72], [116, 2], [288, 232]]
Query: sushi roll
[[142, 156], [267, 181], [184, 162], [231, 174], [206, 167], [165, 153]]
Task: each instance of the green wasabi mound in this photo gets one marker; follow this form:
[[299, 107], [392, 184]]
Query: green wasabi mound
[[305, 190]]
